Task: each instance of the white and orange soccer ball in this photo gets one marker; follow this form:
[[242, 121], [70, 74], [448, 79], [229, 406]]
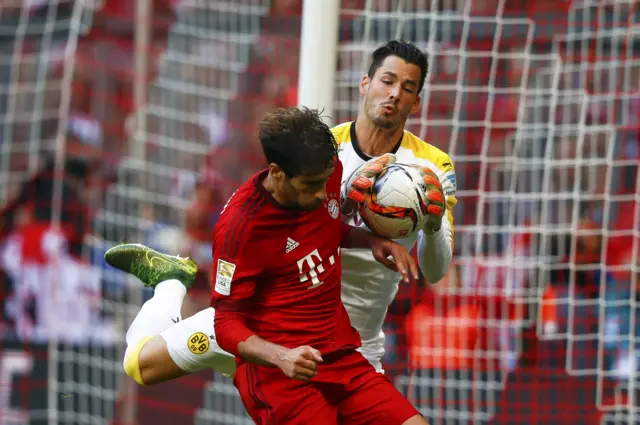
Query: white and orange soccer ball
[[396, 205]]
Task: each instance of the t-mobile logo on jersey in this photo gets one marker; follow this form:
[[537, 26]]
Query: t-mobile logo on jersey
[[316, 267]]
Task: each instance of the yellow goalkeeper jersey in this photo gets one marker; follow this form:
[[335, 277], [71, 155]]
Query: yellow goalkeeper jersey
[[367, 286]]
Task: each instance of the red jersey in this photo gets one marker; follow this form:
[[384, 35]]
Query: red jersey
[[278, 272]]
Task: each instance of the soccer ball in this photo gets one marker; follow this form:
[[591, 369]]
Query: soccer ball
[[396, 206]]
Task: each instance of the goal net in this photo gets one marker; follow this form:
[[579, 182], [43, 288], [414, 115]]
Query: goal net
[[130, 121], [110, 109], [537, 104]]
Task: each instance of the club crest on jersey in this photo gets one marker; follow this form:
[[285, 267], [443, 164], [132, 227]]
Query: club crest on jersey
[[224, 276], [334, 208]]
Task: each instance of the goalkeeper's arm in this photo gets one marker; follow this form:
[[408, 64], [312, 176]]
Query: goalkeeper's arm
[[435, 251], [435, 241]]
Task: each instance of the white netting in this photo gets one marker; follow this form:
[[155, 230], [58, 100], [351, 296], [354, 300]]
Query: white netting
[[51, 314], [130, 97], [537, 104]]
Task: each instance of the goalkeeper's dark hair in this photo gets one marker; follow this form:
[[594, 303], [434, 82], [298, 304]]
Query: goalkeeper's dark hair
[[406, 51], [298, 141]]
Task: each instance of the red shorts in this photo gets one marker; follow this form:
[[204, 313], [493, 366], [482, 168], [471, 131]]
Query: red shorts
[[347, 390]]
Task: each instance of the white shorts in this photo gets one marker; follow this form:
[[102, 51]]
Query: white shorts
[[193, 347]]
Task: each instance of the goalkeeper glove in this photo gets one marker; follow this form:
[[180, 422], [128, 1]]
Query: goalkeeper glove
[[435, 200], [361, 180]]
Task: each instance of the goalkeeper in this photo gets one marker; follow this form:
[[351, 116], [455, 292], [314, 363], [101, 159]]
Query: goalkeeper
[[159, 349]]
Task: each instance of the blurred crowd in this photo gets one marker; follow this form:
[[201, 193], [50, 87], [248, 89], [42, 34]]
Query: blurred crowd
[[538, 110]]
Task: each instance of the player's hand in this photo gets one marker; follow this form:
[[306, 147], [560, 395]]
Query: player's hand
[[436, 206], [361, 180], [403, 262], [300, 363]]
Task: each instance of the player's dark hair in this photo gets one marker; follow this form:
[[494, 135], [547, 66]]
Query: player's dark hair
[[406, 51], [298, 141]]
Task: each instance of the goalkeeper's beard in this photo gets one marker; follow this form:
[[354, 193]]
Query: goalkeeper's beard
[[378, 119]]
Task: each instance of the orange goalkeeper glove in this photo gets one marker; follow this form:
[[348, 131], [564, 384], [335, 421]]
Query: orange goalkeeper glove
[[436, 205], [361, 180]]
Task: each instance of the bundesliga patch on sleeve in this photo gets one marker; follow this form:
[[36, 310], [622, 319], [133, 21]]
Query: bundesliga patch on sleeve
[[449, 182], [224, 276]]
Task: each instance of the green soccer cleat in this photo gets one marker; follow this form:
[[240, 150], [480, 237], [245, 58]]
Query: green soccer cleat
[[150, 266]]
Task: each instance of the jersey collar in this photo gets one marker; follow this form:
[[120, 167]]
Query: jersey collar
[[356, 144]]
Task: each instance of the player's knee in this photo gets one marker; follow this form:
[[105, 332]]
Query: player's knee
[[131, 362], [148, 363], [152, 364]]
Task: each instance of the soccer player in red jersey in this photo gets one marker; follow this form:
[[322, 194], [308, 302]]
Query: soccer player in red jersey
[[279, 311]]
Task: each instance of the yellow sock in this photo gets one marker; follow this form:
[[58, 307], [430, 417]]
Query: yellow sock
[[131, 361]]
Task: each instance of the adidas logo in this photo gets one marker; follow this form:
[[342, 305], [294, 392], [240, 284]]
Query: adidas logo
[[291, 245]]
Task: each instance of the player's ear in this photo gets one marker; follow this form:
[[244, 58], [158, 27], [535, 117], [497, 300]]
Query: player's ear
[[364, 85], [275, 171], [416, 106]]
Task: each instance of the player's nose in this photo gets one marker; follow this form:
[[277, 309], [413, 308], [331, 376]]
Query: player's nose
[[394, 91]]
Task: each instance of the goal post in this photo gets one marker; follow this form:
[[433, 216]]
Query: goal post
[[318, 55]]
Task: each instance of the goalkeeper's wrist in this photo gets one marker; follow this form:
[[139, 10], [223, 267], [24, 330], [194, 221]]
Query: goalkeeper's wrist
[[432, 229]]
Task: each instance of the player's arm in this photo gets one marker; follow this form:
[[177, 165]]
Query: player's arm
[[382, 249], [234, 287], [234, 335], [435, 241]]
